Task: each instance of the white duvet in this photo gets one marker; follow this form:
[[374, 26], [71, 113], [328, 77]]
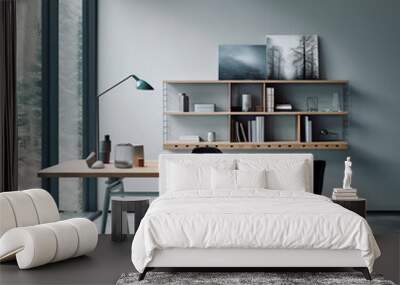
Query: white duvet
[[250, 219]]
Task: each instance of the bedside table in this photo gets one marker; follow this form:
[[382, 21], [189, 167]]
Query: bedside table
[[358, 206]]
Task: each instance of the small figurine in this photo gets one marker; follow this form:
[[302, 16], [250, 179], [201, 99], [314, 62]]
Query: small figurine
[[347, 174]]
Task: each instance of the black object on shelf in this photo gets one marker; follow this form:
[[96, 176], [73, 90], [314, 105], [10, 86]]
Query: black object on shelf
[[105, 149], [184, 102], [206, 150]]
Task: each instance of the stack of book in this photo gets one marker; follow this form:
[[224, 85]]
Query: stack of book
[[308, 129], [204, 108], [255, 130], [344, 194], [270, 99], [189, 138], [284, 107]]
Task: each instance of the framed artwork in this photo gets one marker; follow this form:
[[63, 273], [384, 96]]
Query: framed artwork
[[241, 62], [291, 57]]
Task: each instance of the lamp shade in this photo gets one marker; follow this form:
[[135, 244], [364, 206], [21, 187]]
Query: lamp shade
[[143, 85]]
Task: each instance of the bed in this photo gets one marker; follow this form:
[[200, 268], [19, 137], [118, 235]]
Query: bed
[[247, 210]]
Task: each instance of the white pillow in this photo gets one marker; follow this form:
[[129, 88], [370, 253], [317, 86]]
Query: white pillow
[[189, 174], [225, 179], [282, 174], [251, 178]]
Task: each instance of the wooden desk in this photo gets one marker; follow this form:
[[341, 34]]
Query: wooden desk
[[79, 168], [115, 186]]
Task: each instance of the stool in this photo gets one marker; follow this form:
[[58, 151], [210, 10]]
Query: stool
[[120, 207]]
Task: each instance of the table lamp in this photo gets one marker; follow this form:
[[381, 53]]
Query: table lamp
[[140, 85]]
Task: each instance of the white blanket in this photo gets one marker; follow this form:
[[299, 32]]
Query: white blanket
[[250, 219]]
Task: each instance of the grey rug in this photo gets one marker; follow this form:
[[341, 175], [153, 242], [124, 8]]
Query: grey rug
[[269, 278]]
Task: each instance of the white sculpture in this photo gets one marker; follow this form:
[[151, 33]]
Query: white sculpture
[[347, 174]]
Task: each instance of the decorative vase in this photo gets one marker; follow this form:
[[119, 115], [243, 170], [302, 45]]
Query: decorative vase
[[246, 102]]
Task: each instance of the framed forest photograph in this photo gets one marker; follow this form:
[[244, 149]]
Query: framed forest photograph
[[292, 57]]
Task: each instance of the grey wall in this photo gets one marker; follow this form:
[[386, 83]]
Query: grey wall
[[178, 39]]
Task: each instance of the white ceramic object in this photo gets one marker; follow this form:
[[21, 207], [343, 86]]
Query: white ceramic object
[[211, 137], [98, 165], [246, 102], [348, 173]]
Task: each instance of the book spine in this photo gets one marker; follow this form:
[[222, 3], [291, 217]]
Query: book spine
[[243, 132], [237, 131], [306, 135], [258, 131], [249, 134], [262, 129], [272, 99], [254, 131]]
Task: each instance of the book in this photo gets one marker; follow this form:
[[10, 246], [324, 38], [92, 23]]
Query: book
[[249, 134], [334, 197], [254, 131], [270, 99], [283, 107], [345, 194], [189, 138], [341, 190], [243, 132], [204, 108], [260, 128], [308, 129], [237, 132]]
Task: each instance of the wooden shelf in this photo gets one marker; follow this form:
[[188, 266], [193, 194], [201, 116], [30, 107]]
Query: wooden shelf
[[294, 113], [256, 81], [197, 113], [282, 126], [328, 145]]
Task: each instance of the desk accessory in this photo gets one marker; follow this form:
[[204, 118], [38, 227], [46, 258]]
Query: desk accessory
[[98, 165], [138, 154], [123, 155], [91, 159], [105, 149], [92, 162]]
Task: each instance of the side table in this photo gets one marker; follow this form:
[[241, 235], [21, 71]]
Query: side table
[[120, 207], [358, 206]]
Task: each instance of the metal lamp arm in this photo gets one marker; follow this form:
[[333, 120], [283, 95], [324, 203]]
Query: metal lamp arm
[[115, 85]]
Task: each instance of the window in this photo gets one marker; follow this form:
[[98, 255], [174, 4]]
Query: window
[[29, 92], [56, 94], [70, 98]]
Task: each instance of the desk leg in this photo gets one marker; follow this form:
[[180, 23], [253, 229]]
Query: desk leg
[[112, 185]]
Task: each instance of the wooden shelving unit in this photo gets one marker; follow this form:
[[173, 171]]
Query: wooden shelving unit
[[338, 145], [256, 81], [294, 113], [227, 112]]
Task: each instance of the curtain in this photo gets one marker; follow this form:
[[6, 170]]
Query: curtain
[[8, 126]]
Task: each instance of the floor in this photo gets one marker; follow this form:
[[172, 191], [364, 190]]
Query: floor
[[110, 259]]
